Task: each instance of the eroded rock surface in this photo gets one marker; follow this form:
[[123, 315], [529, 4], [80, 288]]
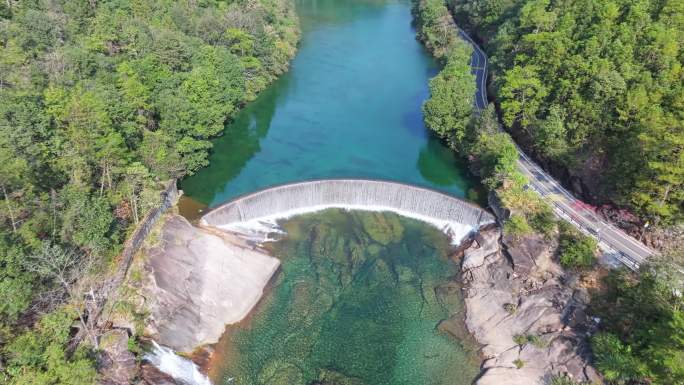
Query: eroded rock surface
[[526, 299], [200, 281], [153, 376], [116, 364]]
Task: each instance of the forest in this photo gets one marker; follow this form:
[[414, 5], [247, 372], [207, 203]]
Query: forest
[[640, 337], [102, 102], [595, 90]]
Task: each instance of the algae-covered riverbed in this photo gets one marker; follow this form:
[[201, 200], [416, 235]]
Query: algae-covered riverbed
[[362, 298]]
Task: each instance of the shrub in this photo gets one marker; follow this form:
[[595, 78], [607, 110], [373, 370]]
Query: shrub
[[520, 339], [533, 339], [616, 360], [517, 226], [511, 308], [576, 250], [543, 221], [562, 380], [519, 363]]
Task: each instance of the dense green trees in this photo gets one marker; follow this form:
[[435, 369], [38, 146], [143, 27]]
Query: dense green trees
[[37, 356], [642, 322], [641, 337], [452, 93], [576, 250], [435, 26], [450, 113], [596, 87], [100, 102]]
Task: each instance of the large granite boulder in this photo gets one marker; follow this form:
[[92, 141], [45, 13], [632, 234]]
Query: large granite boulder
[[150, 375], [497, 207], [485, 243], [200, 281], [525, 252]]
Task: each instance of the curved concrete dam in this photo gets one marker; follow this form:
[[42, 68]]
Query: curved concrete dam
[[451, 214]]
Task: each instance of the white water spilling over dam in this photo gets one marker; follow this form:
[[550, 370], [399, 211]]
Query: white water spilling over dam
[[451, 214]]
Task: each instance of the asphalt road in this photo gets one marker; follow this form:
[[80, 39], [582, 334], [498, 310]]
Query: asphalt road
[[613, 242]]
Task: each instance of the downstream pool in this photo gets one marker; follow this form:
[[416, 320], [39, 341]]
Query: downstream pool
[[349, 107], [362, 299]]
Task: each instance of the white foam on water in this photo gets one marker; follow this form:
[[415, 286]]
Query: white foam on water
[[181, 369], [260, 229]]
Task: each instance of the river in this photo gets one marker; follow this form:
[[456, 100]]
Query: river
[[350, 106], [361, 298]]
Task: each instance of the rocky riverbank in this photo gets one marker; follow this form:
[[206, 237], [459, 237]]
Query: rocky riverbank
[[186, 285], [524, 310], [521, 306], [200, 281]]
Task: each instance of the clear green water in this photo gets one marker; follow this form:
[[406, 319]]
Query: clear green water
[[349, 107], [362, 298]]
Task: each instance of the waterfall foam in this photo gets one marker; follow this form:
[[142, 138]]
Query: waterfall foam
[[260, 229], [181, 369], [255, 215]]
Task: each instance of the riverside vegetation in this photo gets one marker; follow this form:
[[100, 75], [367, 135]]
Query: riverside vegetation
[[641, 335], [101, 102], [594, 87]]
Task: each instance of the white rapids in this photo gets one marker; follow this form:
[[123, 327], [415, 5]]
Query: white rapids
[[181, 369]]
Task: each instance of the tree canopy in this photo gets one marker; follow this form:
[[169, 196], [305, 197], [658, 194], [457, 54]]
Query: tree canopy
[[596, 87], [642, 326], [102, 101]]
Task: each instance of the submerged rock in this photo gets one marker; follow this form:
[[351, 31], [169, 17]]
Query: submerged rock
[[331, 377], [382, 228], [200, 281], [358, 302]]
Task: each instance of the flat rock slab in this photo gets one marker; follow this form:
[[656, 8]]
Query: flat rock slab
[[525, 297], [201, 281]]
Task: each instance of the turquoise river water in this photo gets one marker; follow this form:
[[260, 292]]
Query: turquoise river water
[[361, 298], [350, 106]]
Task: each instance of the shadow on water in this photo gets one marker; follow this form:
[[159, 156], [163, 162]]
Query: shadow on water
[[435, 162], [239, 143], [350, 107]]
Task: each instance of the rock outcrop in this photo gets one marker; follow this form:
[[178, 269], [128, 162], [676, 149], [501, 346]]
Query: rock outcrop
[[516, 310], [199, 281], [116, 364], [153, 376]]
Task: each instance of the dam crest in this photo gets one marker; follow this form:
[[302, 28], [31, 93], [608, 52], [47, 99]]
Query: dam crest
[[258, 211]]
